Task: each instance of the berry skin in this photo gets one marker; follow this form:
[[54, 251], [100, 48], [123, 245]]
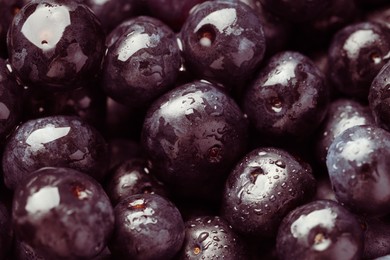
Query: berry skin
[[147, 226], [193, 135], [10, 101], [358, 165], [63, 214], [223, 42], [142, 63], [133, 176], [288, 98], [357, 53], [55, 44], [211, 237], [320, 230], [57, 141], [342, 114], [378, 97], [262, 188]]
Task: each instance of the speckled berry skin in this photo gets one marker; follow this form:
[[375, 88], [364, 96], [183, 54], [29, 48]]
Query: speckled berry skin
[[57, 212], [223, 42], [321, 229], [211, 237], [193, 135], [357, 53], [262, 188], [359, 167], [133, 176], [142, 64], [378, 97], [342, 114], [60, 141], [147, 226], [55, 44], [288, 99], [10, 101]]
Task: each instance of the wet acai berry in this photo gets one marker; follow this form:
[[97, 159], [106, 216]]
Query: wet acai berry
[[60, 141], [142, 63], [288, 98], [133, 176], [62, 214], [262, 188], [147, 226], [357, 53], [342, 114], [11, 101], [223, 42], [358, 166], [320, 230], [211, 237], [55, 44], [378, 97], [193, 135]]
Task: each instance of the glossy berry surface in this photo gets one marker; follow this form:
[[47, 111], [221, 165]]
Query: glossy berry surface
[[320, 230], [378, 98], [10, 101], [376, 234], [342, 114], [358, 167], [55, 44], [133, 176], [211, 237], [262, 188], [357, 53], [147, 226], [223, 42], [142, 64], [60, 141], [193, 135], [288, 98], [57, 212]]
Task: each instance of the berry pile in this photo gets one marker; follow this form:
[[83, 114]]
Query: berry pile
[[194, 129]]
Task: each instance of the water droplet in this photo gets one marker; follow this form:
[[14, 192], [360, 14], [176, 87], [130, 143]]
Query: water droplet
[[203, 236], [280, 164]]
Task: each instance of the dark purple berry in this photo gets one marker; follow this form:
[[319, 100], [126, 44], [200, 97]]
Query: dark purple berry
[[142, 63], [63, 214], [147, 226], [342, 114], [359, 169], [288, 99], [320, 230], [262, 188], [211, 237], [133, 176], [378, 97], [356, 54], [57, 141], [55, 44], [193, 135], [10, 101], [223, 42]]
